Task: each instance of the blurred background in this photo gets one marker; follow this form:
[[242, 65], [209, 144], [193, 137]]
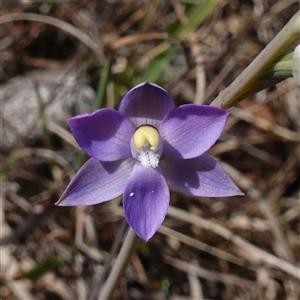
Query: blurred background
[[62, 58]]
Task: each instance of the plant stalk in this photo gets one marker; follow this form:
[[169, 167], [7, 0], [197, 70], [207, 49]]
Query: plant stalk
[[251, 75], [123, 259]]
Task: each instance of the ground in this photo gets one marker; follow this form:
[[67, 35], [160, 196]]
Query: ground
[[62, 58]]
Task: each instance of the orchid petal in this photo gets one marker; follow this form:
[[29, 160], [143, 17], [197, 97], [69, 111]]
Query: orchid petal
[[190, 130], [97, 182], [146, 200], [147, 103], [104, 134], [201, 176]]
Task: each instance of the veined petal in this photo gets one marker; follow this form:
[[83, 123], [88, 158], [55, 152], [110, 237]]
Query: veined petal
[[190, 130], [97, 182], [146, 200], [201, 176], [104, 134], [146, 103]]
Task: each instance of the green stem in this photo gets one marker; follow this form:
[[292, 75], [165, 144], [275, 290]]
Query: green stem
[[251, 75], [123, 259], [103, 80]]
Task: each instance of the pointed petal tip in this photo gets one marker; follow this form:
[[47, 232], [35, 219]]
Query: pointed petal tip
[[146, 103], [146, 201], [233, 192], [96, 182], [59, 202], [239, 193], [144, 238], [147, 82], [200, 177], [142, 234]]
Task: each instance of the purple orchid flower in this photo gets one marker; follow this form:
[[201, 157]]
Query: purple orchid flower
[[142, 148]]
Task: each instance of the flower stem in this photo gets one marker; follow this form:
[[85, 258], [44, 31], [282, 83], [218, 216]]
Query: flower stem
[[250, 76], [123, 259]]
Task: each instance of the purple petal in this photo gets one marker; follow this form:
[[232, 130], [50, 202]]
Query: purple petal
[[104, 134], [146, 200], [201, 176], [97, 182], [190, 130], [147, 103]]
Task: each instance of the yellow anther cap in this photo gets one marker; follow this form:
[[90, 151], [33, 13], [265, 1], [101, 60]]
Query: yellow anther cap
[[144, 134]]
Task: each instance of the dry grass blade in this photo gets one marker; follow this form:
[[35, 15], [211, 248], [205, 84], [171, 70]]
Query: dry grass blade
[[136, 38], [195, 284], [46, 153], [258, 253], [265, 125], [232, 143], [280, 241], [84, 38], [209, 275], [213, 87], [20, 290], [27, 225], [63, 133], [202, 246], [90, 250], [56, 59], [200, 83], [9, 264]]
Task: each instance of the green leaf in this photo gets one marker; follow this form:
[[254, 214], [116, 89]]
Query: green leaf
[[195, 15], [281, 68], [103, 80], [155, 68], [41, 268]]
